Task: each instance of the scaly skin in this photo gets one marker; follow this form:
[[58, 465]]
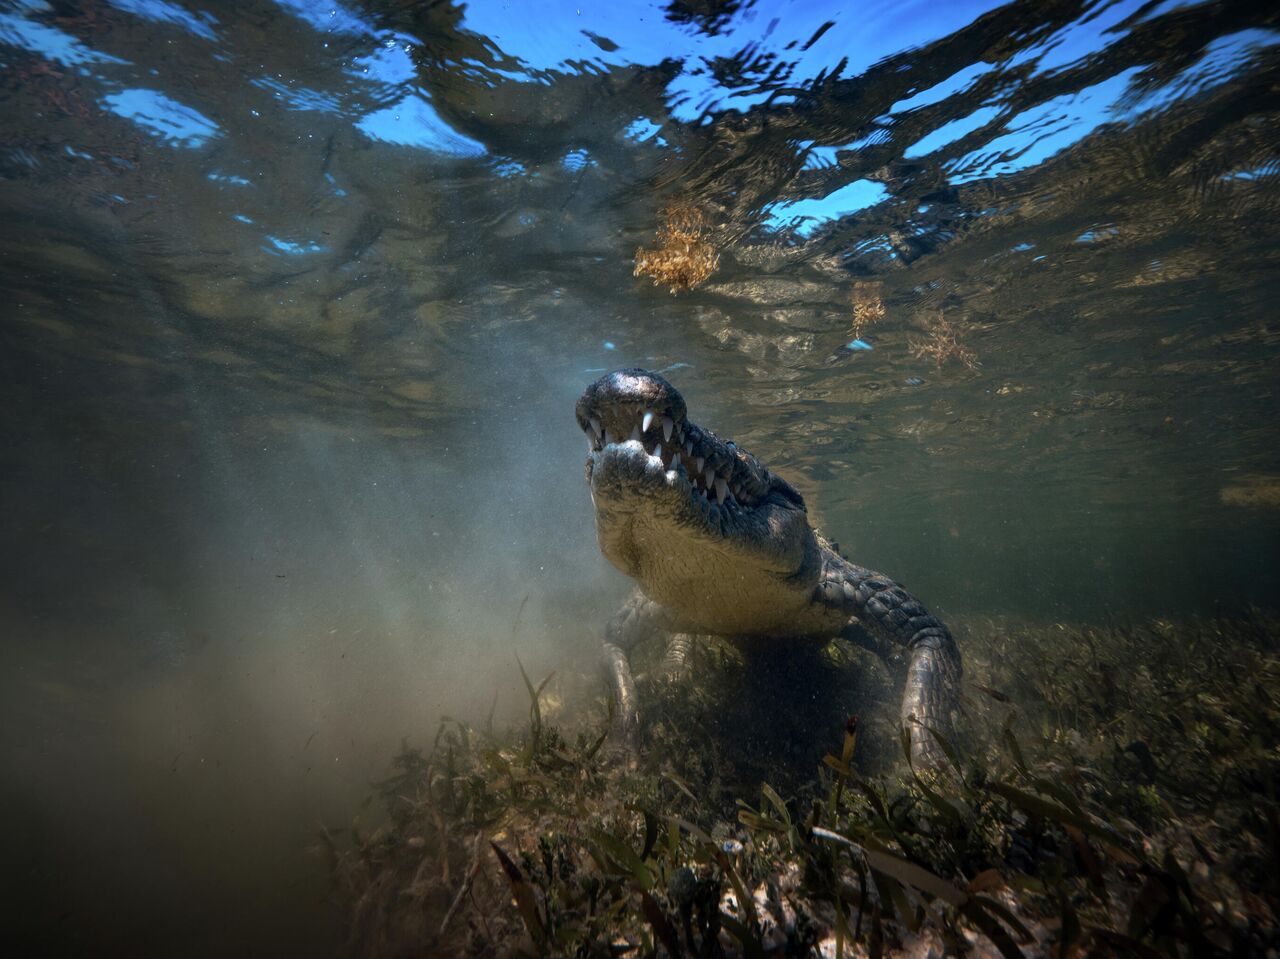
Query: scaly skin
[[718, 545]]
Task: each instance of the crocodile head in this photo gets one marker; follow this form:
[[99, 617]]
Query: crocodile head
[[705, 529]]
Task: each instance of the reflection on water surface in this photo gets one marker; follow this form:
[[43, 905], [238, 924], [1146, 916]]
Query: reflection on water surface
[[298, 297]]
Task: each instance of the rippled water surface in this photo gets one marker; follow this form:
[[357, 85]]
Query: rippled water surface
[[298, 296]]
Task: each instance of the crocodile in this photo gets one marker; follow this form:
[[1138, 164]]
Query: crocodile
[[719, 545]]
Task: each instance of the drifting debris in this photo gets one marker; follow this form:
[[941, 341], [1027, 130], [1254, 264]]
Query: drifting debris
[[868, 307], [943, 343], [683, 259]]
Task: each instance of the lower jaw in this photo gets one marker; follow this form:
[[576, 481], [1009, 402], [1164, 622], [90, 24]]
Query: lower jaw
[[720, 493]]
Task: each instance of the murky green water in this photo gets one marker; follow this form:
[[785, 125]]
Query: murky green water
[[298, 297]]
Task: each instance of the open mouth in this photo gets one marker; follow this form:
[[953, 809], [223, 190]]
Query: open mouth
[[710, 467]]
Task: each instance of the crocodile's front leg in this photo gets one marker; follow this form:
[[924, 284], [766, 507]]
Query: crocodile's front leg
[[892, 615], [639, 619]]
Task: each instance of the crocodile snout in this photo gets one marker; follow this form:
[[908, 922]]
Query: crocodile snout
[[631, 405]]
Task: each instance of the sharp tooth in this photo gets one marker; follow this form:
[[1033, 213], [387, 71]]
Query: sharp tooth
[[722, 490], [657, 450], [608, 437], [647, 422], [595, 425], [688, 446], [591, 444], [699, 461], [635, 433], [708, 476], [675, 458], [668, 424]]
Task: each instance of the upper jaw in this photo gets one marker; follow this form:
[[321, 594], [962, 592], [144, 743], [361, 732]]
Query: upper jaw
[[718, 472]]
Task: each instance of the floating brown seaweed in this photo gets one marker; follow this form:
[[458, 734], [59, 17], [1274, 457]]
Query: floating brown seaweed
[[683, 258], [868, 306], [942, 343]]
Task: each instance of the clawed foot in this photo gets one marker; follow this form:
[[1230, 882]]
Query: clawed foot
[[669, 673], [675, 665]]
